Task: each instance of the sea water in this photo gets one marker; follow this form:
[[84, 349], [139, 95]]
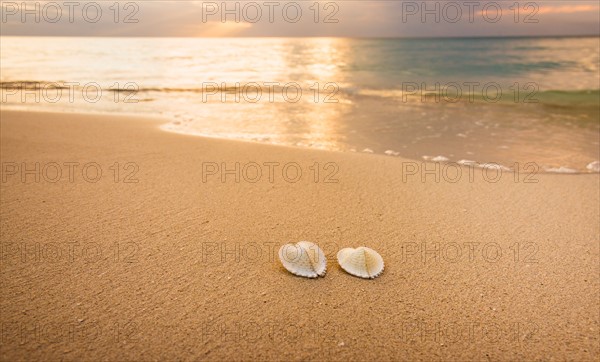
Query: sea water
[[506, 101]]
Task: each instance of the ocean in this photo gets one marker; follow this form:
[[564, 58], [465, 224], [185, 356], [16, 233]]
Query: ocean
[[477, 101]]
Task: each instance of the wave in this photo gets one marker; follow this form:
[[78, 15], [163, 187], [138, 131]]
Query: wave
[[588, 98], [130, 86]]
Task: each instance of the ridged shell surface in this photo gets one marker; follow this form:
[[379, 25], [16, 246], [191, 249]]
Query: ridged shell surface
[[304, 259], [361, 262]]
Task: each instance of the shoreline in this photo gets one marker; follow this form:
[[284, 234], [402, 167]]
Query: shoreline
[[180, 264], [167, 121]]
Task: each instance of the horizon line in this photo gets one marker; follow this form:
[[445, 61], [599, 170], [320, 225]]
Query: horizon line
[[320, 36]]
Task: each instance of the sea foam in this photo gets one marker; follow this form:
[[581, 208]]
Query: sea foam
[[594, 166]]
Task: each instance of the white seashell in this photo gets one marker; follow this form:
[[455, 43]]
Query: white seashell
[[361, 262], [304, 259]]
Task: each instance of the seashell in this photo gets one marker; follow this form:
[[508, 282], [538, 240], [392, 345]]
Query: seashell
[[361, 262], [304, 259]]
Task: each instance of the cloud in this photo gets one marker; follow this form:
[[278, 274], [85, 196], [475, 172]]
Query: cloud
[[568, 9], [374, 18]]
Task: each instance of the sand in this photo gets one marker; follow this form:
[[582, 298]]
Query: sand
[[177, 267]]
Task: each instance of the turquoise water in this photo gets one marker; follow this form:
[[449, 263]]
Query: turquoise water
[[502, 100]]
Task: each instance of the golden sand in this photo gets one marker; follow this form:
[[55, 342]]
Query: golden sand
[[182, 266]]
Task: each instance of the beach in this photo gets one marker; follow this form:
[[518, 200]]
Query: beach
[[150, 245], [510, 101]]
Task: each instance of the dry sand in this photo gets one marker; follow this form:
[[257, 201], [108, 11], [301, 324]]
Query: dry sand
[[188, 271]]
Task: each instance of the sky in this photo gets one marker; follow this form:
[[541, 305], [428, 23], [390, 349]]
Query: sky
[[300, 18]]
